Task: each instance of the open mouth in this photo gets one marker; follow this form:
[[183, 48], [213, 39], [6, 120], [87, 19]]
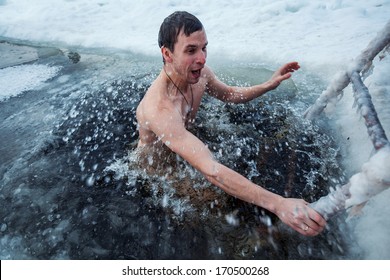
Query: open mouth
[[196, 73]]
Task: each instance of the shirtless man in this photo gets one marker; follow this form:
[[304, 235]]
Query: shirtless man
[[173, 99]]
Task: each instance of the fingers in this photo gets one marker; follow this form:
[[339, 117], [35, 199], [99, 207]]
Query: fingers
[[298, 215], [285, 76], [281, 78], [293, 66], [290, 67], [306, 230], [285, 71], [311, 228], [308, 222]]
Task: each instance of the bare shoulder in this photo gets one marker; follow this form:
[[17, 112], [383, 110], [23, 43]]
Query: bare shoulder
[[148, 106], [208, 74], [154, 108], [207, 78]]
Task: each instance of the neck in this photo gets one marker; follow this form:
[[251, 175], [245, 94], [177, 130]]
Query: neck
[[181, 92], [173, 78]]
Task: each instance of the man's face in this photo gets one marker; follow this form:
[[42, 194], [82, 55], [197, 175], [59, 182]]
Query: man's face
[[189, 56]]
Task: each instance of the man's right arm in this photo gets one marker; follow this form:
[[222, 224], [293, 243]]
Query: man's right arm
[[169, 128]]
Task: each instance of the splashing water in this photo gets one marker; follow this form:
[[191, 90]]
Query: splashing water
[[70, 186]]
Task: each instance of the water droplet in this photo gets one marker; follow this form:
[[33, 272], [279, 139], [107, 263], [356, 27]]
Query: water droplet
[[3, 227], [90, 181]]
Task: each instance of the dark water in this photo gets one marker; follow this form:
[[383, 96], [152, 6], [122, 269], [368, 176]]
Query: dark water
[[67, 191]]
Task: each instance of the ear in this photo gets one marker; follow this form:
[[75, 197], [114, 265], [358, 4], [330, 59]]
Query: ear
[[166, 54]]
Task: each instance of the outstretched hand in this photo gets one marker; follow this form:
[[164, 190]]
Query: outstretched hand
[[299, 216], [283, 73]]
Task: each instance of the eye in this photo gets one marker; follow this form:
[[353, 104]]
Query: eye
[[191, 51]]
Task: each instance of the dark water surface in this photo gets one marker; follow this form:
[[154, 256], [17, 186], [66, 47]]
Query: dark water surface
[[67, 191]]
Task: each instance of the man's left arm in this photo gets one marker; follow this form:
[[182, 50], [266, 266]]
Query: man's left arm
[[235, 94]]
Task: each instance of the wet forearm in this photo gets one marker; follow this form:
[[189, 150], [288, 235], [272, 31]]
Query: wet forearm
[[238, 186], [245, 94]]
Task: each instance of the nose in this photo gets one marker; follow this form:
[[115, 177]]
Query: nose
[[201, 58]]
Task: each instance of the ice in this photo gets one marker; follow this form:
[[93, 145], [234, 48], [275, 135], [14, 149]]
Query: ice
[[374, 178], [33, 76]]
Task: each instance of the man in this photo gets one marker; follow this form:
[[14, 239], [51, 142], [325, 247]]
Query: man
[[173, 99]]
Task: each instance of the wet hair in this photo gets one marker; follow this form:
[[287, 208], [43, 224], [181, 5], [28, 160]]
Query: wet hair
[[173, 24]]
